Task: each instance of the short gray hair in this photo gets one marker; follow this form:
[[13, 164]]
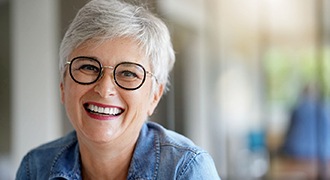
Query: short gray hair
[[100, 20]]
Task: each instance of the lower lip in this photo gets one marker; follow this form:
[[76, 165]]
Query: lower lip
[[101, 117]]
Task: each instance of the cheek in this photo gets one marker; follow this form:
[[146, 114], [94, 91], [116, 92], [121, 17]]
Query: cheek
[[71, 97], [138, 101], [70, 102]]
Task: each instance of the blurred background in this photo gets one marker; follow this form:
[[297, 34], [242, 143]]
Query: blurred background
[[251, 83]]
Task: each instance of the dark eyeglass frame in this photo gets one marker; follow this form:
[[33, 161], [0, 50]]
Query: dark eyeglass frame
[[100, 75]]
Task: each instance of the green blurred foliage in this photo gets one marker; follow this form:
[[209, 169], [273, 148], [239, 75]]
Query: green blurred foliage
[[289, 71]]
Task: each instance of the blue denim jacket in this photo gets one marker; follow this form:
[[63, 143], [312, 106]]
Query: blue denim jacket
[[159, 154]]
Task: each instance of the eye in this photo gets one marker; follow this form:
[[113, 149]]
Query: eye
[[126, 74], [89, 68]]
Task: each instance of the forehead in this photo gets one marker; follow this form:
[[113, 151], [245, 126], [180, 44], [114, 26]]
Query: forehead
[[112, 51]]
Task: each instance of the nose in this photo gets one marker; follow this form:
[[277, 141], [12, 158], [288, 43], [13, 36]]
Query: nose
[[105, 86]]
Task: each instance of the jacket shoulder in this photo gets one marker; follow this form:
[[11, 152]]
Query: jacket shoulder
[[173, 139], [180, 158], [38, 162]]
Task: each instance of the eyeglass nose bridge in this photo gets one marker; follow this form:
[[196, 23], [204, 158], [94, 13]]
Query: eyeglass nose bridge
[[106, 67], [109, 67]]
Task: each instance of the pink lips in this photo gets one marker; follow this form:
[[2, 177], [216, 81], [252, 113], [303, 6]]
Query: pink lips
[[102, 112]]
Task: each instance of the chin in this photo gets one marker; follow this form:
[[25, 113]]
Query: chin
[[97, 135]]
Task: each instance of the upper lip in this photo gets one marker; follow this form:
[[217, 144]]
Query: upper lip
[[103, 109]]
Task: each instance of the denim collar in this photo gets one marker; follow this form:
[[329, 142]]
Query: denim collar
[[146, 157], [67, 162], [144, 164]]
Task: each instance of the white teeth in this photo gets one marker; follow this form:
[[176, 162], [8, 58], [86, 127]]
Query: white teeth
[[102, 110], [91, 107]]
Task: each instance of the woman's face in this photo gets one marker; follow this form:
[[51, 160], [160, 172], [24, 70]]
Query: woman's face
[[125, 110]]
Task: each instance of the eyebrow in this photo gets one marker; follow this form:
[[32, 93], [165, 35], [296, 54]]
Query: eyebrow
[[97, 59]]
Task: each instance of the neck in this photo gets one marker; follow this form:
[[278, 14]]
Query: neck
[[106, 161]]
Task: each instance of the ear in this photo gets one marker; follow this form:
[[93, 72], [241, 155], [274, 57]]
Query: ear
[[62, 93], [155, 99]]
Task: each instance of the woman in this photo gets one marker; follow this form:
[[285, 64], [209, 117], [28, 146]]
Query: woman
[[114, 61]]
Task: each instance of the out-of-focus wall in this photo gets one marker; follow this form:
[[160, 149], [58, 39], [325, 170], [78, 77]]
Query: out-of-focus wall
[[35, 102], [6, 170], [5, 125]]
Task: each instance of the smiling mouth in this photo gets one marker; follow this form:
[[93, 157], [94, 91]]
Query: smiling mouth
[[105, 111]]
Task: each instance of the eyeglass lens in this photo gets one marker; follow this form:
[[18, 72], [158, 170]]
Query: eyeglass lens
[[127, 75]]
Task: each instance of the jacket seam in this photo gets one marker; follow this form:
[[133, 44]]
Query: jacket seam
[[190, 149], [58, 156], [27, 167], [157, 147], [187, 165]]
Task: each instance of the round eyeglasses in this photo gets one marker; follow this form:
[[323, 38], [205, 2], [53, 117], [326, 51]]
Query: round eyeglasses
[[127, 75]]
